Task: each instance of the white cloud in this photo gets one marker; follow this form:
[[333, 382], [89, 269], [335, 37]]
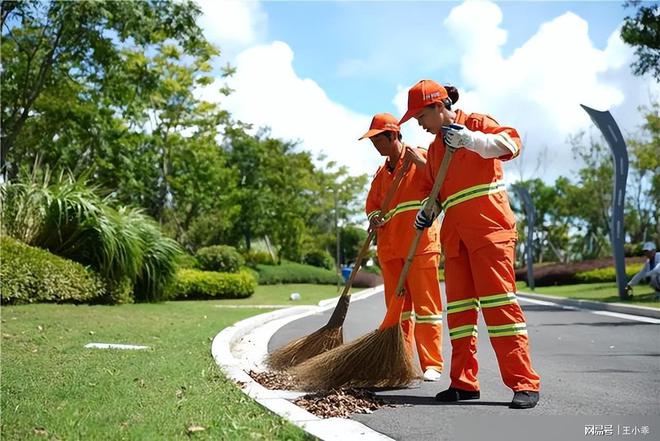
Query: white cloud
[[233, 23], [538, 89], [268, 92]]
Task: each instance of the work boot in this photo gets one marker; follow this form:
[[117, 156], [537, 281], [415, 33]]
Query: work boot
[[453, 394], [524, 399]]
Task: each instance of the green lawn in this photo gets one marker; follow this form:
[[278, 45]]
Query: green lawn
[[53, 388], [602, 292], [279, 295]]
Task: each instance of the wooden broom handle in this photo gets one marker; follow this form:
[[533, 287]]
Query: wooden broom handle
[[428, 207], [371, 232]]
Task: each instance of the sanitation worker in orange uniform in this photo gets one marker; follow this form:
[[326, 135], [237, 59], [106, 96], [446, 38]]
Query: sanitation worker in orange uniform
[[478, 236], [395, 232]]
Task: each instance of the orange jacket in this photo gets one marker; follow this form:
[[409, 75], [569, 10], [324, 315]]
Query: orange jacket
[[473, 195], [396, 235]]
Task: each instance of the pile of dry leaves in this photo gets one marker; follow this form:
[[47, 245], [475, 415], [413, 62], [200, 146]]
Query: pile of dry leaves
[[340, 403]]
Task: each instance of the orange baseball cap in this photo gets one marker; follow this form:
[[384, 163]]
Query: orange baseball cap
[[382, 122], [422, 94]]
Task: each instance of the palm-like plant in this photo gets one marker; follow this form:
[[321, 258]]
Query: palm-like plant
[[70, 219]]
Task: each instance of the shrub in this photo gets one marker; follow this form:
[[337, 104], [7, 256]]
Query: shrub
[[319, 258], [68, 218], [364, 279], [187, 261], [196, 284], [566, 273], [30, 274], [254, 258], [221, 258], [289, 272], [606, 274]]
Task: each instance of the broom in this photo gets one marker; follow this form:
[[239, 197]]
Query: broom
[[330, 336], [380, 358]]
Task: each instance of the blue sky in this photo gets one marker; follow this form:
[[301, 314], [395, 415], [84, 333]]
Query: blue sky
[[316, 72], [326, 36]]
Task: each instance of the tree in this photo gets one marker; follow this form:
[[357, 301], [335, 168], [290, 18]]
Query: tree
[[74, 50], [643, 32]]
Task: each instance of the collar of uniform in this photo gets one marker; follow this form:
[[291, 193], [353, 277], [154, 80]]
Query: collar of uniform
[[398, 163]]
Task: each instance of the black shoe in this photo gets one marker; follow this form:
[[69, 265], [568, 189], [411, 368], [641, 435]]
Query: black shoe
[[524, 399], [453, 394]]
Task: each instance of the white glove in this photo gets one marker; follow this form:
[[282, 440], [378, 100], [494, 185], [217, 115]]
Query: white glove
[[485, 144]]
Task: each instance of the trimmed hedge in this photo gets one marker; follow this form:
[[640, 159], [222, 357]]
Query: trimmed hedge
[[31, 274], [607, 274], [320, 259], [221, 258], [567, 273], [196, 284], [289, 272]]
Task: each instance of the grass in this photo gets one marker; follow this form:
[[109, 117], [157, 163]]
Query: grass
[[279, 295], [53, 388], [602, 292]]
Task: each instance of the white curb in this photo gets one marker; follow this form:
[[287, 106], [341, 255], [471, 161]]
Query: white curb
[[244, 345]]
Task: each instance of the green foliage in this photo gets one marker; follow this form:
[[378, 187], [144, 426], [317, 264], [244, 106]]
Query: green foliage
[[186, 261], [30, 274], [602, 275], [254, 258], [319, 258], [643, 32], [222, 258], [195, 284], [68, 218], [289, 272]]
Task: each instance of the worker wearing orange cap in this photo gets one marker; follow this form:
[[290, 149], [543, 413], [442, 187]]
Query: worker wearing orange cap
[[395, 234], [478, 236]]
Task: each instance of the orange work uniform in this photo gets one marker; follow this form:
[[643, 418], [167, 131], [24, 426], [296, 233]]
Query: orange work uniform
[[478, 235], [393, 241]]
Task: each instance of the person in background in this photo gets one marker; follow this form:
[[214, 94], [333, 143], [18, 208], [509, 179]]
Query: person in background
[[651, 270]]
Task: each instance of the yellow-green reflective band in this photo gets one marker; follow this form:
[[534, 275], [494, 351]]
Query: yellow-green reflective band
[[507, 330], [407, 315], [498, 300], [402, 207], [428, 318], [463, 331], [462, 305], [473, 192], [372, 214]]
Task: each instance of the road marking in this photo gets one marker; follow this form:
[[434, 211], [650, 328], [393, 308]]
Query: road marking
[[606, 313], [113, 346], [257, 306]]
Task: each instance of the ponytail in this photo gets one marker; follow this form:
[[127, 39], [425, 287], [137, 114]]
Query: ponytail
[[452, 92]]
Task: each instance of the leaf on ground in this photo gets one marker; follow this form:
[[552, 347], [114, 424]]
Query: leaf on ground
[[195, 428], [40, 431]]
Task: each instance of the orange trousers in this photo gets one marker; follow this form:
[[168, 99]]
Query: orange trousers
[[484, 279], [422, 294]]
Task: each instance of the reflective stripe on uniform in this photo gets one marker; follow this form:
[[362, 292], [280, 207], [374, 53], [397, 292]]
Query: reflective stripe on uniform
[[432, 319], [372, 214], [507, 330], [498, 300], [462, 331], [406, 315], [401, 208], [473, 192], [462, 305]]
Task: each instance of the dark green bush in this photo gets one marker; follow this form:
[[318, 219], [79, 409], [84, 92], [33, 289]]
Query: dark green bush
[[319, 258], [254, 258], [221, 258], [289, 272], [606, 274], [196, 284], [187, 261], [567, 273], [31, 274]]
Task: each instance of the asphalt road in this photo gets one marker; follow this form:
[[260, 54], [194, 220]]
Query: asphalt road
[[596, 369]]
